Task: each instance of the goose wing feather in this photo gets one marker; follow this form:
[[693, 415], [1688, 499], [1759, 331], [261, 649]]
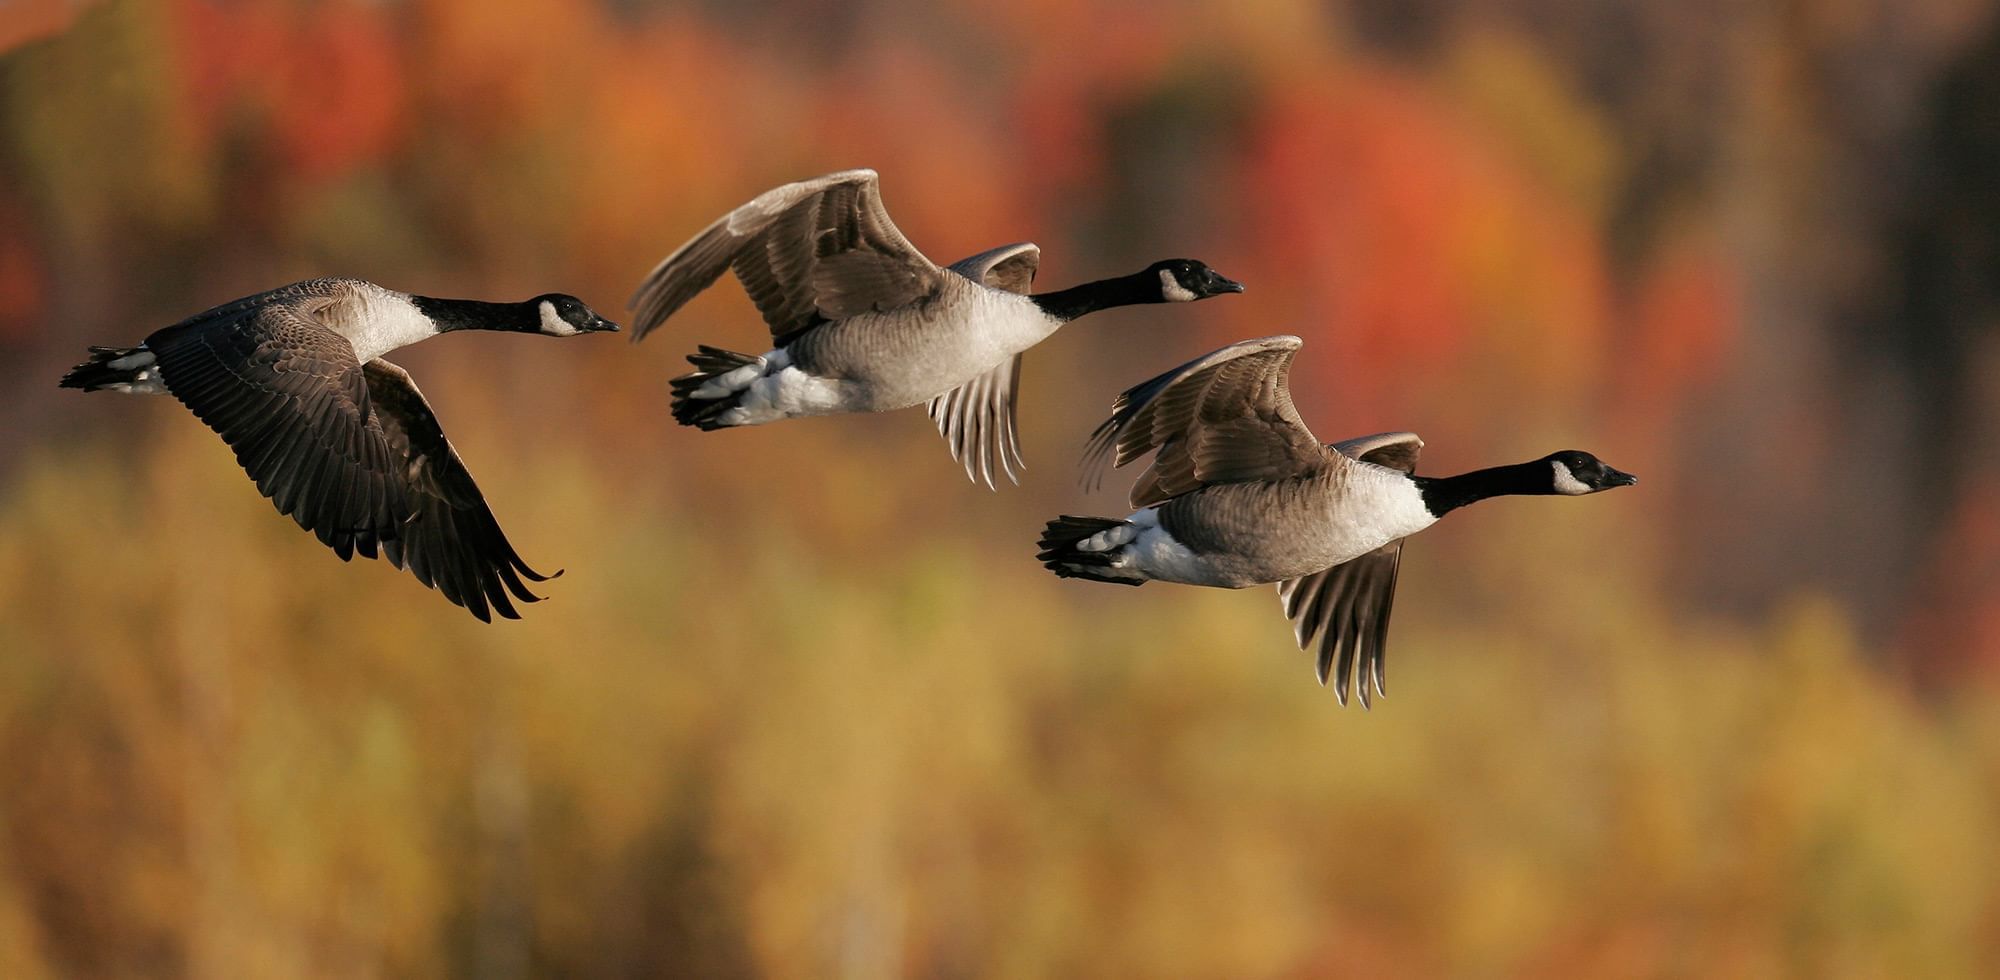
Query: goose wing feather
[[976, 419], [1226, 417], [1346, 607], [1395, 450], [807, 253], [347, 457], [450, 525], [1009, 267]]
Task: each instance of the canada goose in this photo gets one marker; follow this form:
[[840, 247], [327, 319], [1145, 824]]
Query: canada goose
[[1241, 494], [339, 439], [863, 322]]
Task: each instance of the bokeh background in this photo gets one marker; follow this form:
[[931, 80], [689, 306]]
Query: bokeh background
[[803, 704]]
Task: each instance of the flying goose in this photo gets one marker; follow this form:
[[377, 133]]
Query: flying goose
[[339, 439], [1240, 493], [862, 322]]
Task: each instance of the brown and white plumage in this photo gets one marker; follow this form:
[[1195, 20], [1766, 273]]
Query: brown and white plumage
[[976, 418], [1240, 493], [348, 449], [1347, 607], [863, 322]]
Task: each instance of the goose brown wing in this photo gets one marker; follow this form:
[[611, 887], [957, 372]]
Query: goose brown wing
[[808, 252], [1395, 450], [451, 540], [288, 396], [976, 420], [1347, 607], [1226, 417], [1009, 267]]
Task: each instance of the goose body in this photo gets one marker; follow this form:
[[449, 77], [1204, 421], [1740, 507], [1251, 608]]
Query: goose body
[[339, 439], [1240, 493], [863, 322], [1222, 536], [880, 362], [372, 319]]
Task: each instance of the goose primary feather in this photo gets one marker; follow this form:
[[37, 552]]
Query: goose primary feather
[[1240, 493]]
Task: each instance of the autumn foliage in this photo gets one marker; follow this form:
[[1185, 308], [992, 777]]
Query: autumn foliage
[[802, 705]]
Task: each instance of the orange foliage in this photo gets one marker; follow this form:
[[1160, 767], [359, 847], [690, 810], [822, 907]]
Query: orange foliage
[[1427, 251], [486, 71], [802, 705], [900, 105], [23, 280], [324, 79], [1682, 324], [23, 21], [1954, 629]]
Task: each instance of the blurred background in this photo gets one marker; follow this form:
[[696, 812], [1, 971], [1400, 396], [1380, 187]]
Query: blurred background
[[803, 704]]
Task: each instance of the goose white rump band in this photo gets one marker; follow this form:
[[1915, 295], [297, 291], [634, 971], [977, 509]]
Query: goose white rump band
[[1146, 552], [730, 382], [773, 389], [145, 377]]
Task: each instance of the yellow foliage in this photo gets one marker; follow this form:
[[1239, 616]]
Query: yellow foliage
[[1499, 79], [802, 705], [728, 746]]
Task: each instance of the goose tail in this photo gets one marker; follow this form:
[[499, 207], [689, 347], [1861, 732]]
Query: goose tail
[[703, 396], [127, 369], [1089, 548]]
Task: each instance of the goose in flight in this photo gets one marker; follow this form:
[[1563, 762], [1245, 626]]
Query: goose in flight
[[1240, 493], [339, 439], [862, 322]]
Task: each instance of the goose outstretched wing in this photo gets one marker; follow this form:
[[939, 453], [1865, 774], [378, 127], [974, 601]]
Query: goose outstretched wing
[[1226, 417], [808, 252]]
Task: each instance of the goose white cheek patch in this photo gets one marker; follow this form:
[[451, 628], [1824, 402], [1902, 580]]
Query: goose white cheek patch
[[554, 325], [1172, 289], [1566, 482]]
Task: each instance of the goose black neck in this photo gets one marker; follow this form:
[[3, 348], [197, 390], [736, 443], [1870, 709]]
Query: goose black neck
[[472, 314], [1442, 495], [1076, 301]]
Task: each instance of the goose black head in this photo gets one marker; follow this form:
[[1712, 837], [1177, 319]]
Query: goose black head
[[1578, 472], [1187, 280], [563, 315]]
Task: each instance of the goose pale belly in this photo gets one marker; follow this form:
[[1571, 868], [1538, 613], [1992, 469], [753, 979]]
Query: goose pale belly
[[1243, 534], [890, 361]]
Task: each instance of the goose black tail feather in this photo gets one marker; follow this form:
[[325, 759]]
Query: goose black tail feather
[[1061, 555], [703, 413], [97, 373]]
